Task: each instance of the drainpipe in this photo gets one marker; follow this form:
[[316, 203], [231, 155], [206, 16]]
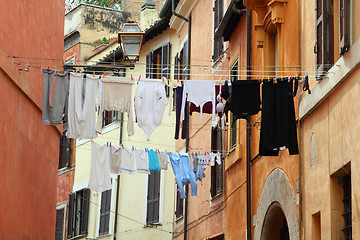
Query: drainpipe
[[248, 131], [188, 20], [118, 177]]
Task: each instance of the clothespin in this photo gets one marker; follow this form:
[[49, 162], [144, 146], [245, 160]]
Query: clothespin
[[258, 79], [110, 144], [163, 79], [178, 79], [93, 74], [132, 79], [185, 80], [145, 150], [139, 78], [104, 74], [226, 80], [48, 68], [133, 148], [92, 140], [232, 79], [62, 70], [76, 72], [170, 80], [107, 144]]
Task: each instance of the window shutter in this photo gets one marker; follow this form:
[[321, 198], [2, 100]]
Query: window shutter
[[179, 206], [84, 211], [71, 215], [150, 198], [62, 143], [67, 152], [319, 37], [149, 65], [165, 64], [59, 224], [176, 67], [156, 197], [344, 26], [185, 61], [218, 14], [107, 210]]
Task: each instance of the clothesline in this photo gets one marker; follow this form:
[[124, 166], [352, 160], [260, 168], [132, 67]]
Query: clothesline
[[191, 65], [222, 77]]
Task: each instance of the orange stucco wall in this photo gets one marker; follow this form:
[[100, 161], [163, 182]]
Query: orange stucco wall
[[29, 152]]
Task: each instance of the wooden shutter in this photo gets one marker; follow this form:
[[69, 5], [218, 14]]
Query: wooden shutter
[[344, 26], [165, 64], [61, 152], [59, 224], [105, 212], [67, 152], [179, 209], [71, 216], [149, 65], [219, 168], [185, 61], [153, 198], [84, 211], [324, 37], [218, 13]]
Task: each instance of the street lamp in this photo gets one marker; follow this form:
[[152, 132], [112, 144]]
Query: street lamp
[[130, 39]]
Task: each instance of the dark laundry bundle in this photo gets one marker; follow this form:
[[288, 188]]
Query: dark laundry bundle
[[278, 125], [245, 98]]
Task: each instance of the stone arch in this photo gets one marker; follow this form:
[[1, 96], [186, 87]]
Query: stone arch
[[277, 189]]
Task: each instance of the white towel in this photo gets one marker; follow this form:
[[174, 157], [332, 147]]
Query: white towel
[[142, 161], [100, 179]]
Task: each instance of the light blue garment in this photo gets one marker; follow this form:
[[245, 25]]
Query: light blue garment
[[153, 160], [180, 163], [200, 173]]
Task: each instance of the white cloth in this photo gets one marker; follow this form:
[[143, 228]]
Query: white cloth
[[115, 160], [100, 179], [212, 159], [81, 116], [142, 161], [150, 101], [198, 92], [127, 164], [116, 95], [218, 158], [163, 160]]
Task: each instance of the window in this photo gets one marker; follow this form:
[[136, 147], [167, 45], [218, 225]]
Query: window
[[179, 208], [217, 172], [158, 64], [60, 223], [233, 127], [110, 117], [344, 25], [324, 36], [78, 213], [346, 185], [218, 14], [105, 213], [153, 198], [65, 152]]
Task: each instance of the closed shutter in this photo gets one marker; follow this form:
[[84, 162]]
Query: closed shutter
[[153, 198], [67, 152], [179, 209], [61, 152], [213, 168], [344, 26], [218, 13], [84, 211], [71, 216], [165, 64], [59, 224], [105, 212], [219, 168], [185, 61]]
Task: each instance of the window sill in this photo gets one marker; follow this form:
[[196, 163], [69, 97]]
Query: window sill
[[64, 170], [233, 156], [217, 199], [105, 235], [79, 236], [152, 225]]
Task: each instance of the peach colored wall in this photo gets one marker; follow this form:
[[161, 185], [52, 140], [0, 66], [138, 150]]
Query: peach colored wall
[[29, 152], [206, 217], [337, 133]]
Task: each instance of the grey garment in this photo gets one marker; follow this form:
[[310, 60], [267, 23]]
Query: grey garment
[[53, 115]]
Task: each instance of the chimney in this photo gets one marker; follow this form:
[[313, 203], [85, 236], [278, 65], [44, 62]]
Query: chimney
[[148, 14]]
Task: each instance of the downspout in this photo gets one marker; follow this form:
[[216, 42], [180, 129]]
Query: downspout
[[188, 20], [248, 131], [118, 177]]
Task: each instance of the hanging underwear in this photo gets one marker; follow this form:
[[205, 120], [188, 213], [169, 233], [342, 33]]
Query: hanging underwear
[[142, 161], [207, 108], [198, 92], [150, 101]]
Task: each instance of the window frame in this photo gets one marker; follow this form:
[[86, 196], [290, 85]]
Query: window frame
[[78, 214], [218, 46], [161, 200], [61, 207], [64, 157], [217, 171]]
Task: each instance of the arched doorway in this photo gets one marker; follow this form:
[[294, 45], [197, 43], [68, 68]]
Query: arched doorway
[[275, 224], [276, 204]]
